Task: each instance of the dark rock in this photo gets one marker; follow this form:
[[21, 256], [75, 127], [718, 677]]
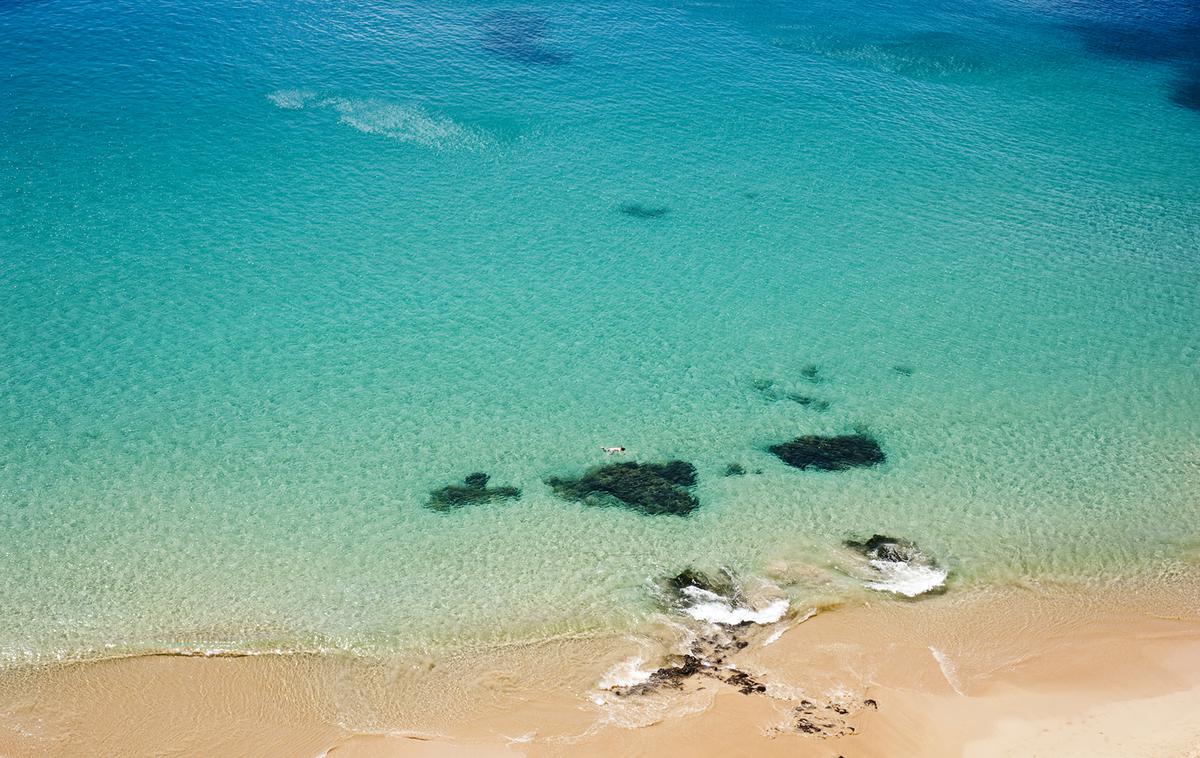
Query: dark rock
[[807, 726], [637, 210], [721, 585], [745, 683], [870, 703], [812, 373], [473, 490], [651, 488], [667, 676], [808, 401], [883, 548], [903, 370], [835, 453], [735, 469]]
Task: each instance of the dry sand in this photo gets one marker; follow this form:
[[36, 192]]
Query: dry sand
[[1033, 672]]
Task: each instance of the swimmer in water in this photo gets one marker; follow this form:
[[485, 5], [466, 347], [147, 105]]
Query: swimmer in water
[[612, 450]]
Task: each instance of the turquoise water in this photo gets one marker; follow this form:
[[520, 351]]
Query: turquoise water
[[269, 275]]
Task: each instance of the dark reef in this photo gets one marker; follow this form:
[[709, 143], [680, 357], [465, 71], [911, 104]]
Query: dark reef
[[520, 36], [735, 469], [834, 453], [650, 488], [473, 490]]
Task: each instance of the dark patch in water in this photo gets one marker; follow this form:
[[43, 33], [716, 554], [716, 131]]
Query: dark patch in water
[[1163, 33], [1185, 91], [808, 401], [812, 373], [735, 469], [473, 490], [520, 36], [830, 453], [651, 488], [903, 370], [637, 210]]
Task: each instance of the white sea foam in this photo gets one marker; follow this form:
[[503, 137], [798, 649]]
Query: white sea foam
[[714, 609], [906, 579], [291, 99], [627, 673]]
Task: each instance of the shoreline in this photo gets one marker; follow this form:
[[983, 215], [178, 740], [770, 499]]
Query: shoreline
[[1035, 671]]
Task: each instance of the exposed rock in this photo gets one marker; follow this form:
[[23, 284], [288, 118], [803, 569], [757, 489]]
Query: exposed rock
[[883, 548], [651, 488], [745, 683], [833, 453], [722, 585], [473, 490], [637, 210]]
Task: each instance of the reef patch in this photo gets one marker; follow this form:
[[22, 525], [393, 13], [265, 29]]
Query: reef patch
[[472, 491], [830, 453], [650, 488]]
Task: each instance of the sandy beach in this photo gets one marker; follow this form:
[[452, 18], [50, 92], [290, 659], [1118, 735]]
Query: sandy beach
[[1039, 671]]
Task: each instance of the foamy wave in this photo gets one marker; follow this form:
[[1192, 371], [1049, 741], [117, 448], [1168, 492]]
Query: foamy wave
[[714, 609], [291, 99], [907, 579], [627, 673], [407, 123]]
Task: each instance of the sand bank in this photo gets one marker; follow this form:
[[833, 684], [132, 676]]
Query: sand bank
[[1047, 671]]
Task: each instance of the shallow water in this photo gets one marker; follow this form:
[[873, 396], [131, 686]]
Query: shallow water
[[270, 276]]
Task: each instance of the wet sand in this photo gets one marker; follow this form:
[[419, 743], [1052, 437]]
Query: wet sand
[[1040, 671]]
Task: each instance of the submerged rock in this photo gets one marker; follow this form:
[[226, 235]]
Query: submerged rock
[[830, 453], [808, 401], [812, 373], [521, 36], [473, 490], [735, 469], [637, 210], [651, 488], [903, 370]]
